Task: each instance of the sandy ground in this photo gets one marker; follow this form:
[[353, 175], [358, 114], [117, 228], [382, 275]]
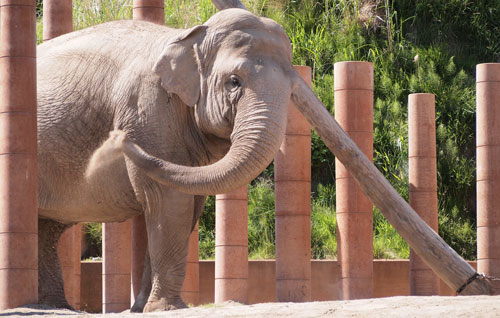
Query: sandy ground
[[442, 307]]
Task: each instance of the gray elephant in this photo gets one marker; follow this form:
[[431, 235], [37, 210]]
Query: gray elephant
[[209, 103]]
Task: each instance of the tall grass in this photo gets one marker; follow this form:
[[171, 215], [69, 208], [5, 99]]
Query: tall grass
[[261, 226]]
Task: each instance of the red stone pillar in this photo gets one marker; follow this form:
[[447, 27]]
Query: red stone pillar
[[18, 160], [57, 18], [77, 265], [231, 246], [116, 266], [138, 254], [292, 177], [149, 10], [488, 172], [191, 289], [353, 85], [67, 261], [152, 11], [423, 183]]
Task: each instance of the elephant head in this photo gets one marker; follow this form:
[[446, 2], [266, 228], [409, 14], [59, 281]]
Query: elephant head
[[236, 71]]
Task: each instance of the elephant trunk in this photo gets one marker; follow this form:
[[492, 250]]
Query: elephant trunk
[[258, 132]]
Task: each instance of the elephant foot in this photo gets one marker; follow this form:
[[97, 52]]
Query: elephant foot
[[164, 304], [56, 303], [139, 304]]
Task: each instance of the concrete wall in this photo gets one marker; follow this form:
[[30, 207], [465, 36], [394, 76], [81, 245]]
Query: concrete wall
[[390, 278]]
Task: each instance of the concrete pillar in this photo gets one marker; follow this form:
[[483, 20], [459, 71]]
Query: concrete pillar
[[77, 265], [292, 177], [423, 183], [191, 289], [231, 246], [488, 171], [57, 18], [149, 10], [152, 11], [353, 85], [18, 160], [67, 260], [116, 266], [138, 254]]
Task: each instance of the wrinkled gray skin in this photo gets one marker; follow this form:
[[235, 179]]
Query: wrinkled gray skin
[[210, 102]]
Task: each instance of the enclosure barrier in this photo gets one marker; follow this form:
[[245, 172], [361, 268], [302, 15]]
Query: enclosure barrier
[[423, 183], [488, 169], [292, 183], [67, 261], [353, 87], [58, 20], [190, 292], [231, 246], [151, 11], [18, 213], [116, 255], [18, 158]]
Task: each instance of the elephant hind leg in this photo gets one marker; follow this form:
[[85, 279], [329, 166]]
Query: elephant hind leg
[[50, 280]]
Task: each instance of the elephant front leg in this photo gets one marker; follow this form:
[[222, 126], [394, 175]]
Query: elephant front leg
[[169, 225]]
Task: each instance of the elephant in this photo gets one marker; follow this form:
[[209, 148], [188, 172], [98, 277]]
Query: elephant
[[207, 104]]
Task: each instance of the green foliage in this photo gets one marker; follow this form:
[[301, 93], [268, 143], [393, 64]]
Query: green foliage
[[261, 226], [386, 241], [91, 12], [206, 230], [93, 238], [323, 224], [261, 214]]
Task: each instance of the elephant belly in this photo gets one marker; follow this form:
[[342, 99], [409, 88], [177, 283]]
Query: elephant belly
[[106, 198]]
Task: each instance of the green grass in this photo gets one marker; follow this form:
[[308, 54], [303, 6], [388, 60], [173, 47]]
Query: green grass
[[261, 226]]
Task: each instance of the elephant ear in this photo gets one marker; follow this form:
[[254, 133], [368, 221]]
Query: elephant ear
[[178, 66]]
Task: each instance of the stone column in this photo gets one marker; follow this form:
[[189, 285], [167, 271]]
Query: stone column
[[231, 246], [292, 177], [353, 85], [67, 261], [57, 18], [152, 11], [77, 266], [116, 266], [149, 10], [18, 159], [488, 171], [423, 183], [191, 289]]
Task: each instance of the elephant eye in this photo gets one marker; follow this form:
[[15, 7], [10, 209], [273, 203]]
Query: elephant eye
[[235, 82]]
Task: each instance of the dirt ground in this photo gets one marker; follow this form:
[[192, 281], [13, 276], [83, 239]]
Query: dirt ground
[[402, 306]]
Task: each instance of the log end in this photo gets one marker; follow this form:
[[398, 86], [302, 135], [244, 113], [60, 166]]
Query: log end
[[480, 285]]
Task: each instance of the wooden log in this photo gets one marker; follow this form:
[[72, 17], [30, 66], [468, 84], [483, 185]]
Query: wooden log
[[443, 260]]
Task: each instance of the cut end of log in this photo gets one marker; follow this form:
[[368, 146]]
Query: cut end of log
[[479, 284]]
